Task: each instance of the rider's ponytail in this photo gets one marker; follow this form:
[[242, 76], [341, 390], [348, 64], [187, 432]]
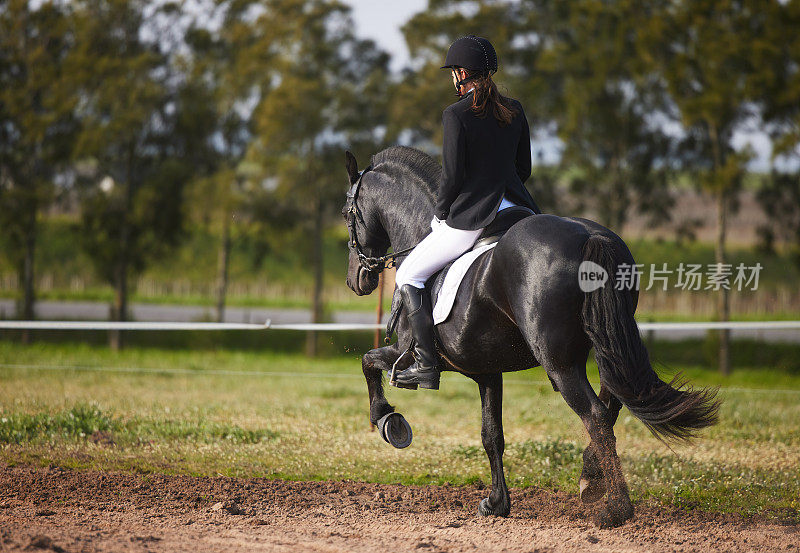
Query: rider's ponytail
[[486, 99]]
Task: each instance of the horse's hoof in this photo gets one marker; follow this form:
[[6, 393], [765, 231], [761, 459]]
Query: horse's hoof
[[611, 517], [395, 430], [485, 509], [592, 490]]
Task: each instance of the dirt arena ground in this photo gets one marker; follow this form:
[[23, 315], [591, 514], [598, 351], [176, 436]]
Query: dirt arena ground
[[52, 509]]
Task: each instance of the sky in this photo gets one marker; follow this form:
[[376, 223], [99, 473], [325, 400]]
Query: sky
[[381, 20]]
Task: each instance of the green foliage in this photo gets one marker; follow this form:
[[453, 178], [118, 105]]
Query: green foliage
[[153, 224], [780, 197], [80, 421], [83, 422], [324, 96], [37, 124], [137, 146], [588, 82]]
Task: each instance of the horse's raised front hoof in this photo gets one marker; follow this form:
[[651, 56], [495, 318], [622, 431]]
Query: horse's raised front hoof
[[592, 490], [395, 430], [611, 516], [485, 509]]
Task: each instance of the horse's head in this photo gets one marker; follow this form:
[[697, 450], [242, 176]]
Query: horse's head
[[367, 239]]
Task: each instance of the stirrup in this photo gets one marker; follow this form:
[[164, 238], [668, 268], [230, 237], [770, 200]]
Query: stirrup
[[428, 379], [393, 373], [426, 383]]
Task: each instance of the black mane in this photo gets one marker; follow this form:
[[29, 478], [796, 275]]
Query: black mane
[[410, 166]]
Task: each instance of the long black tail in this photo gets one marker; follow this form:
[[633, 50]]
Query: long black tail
[[670, 411]]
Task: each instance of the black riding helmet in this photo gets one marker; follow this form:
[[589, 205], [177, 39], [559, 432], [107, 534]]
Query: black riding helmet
[[474, 53]]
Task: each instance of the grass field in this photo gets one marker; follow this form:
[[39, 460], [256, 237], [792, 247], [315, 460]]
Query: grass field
[[286, 416]]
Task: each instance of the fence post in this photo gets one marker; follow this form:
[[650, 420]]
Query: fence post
[[378, 317]]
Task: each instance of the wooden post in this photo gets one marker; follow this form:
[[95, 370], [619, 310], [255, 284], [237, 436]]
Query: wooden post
[[378, 317], [379, 312]]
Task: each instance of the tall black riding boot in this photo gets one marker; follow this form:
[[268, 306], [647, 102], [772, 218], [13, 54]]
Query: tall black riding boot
[[425, 370]]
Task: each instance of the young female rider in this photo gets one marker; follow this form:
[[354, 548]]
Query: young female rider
[[486, 158]]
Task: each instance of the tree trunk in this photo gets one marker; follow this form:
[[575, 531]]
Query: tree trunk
[[723, 303], [317, 261], [223, 261], [27, 273], [120, 310]]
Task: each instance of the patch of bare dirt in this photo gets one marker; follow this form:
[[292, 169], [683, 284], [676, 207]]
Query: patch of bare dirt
[[51, 509]]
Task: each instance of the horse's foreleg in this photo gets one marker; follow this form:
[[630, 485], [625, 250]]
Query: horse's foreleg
[[373, 364], [591, 484], [597, 419], [491, 390]]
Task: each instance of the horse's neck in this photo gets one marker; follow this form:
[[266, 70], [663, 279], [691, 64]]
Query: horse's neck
[[407, 216]]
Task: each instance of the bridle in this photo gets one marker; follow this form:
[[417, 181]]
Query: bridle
[[371, 264]]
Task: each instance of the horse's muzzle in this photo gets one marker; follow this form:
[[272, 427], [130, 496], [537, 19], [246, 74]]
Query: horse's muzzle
[[365, 282]]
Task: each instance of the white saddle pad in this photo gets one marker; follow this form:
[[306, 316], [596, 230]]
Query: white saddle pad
[[452, 280]]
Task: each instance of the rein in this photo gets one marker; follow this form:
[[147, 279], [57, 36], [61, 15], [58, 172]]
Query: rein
[[371, 264]]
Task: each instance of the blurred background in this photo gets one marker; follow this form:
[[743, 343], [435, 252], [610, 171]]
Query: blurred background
[[185, 161]]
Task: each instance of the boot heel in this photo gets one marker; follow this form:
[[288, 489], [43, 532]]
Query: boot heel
[[430, 385]]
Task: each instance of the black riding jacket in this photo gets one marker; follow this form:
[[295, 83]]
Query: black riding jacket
[[482, 161]]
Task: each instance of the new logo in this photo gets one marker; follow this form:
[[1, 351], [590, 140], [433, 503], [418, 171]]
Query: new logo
[[591, 276]]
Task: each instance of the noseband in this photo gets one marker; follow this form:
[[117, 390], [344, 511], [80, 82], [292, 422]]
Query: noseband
[[371, 264]]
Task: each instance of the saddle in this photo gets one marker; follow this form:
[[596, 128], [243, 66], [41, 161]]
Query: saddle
[[503, 221], [492, 233]]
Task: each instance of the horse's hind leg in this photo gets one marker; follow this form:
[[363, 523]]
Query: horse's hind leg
[[598, 420], [491, 389], [591, 483], [373, 364]]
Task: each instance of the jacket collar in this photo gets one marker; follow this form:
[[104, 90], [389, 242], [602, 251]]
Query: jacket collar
[[467, 94]]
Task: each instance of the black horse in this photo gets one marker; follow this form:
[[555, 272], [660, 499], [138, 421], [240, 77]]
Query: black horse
[[520, 306]]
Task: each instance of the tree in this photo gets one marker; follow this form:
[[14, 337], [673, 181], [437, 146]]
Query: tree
[[325, 92], [780, 195], [229, 80], [587, 82], [36, 127], [130, 113], [720, 62]]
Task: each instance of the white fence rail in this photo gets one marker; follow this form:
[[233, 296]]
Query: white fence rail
[[155, 325], [160, 325]]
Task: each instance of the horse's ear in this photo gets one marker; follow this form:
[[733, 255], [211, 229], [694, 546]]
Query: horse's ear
[[352, 166]]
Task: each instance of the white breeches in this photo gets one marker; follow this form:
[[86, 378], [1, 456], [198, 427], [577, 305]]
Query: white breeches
[[440, 247]]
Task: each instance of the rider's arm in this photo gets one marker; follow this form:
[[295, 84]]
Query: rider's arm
[[453, 160], [524, 149]]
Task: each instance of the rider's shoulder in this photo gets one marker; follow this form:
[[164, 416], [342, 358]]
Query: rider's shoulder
[[516, 104], [458, 108]]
